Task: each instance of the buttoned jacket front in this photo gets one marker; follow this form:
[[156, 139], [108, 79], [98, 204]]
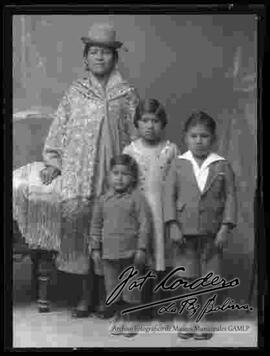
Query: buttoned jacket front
[[121, 224], [200, 212]]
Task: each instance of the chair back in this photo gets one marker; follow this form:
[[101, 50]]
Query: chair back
[[29, 135]]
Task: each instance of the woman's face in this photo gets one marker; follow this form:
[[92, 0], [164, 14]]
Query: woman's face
[[150, 127], [100, 60]]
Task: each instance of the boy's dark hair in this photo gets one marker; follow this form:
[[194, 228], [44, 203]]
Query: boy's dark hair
[[151, 106], [89, 45], [127, 161], [201, 118]]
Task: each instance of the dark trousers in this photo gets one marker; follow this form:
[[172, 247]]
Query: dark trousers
[[100, 295], [105, 285], [201, 302], [112, 271], [149, 296]]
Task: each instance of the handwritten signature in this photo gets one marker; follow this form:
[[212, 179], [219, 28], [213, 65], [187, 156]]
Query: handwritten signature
[[206, 284]]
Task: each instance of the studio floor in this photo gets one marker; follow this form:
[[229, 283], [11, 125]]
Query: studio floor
[[58, 329]]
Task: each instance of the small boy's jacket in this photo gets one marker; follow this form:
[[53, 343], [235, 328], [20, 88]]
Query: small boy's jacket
[[200, 212], [121, 224]]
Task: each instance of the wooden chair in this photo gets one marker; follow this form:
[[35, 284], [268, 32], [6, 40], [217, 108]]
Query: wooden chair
[[29, 133]]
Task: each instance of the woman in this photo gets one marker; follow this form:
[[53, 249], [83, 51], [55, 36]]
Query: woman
[[53, 199]]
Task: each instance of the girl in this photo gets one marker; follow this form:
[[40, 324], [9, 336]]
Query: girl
[[153, 155], [120, 230], [200, 204]]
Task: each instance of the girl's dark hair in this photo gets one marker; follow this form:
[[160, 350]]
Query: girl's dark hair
[[128, 161], [201, 118], [89, 45], [151, 106]]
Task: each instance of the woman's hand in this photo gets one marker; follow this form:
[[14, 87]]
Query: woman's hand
[[48, 174], [139, 258], [175, 233], [222, 237]]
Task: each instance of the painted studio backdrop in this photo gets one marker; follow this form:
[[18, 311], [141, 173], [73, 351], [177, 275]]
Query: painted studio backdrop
[[205, 62]]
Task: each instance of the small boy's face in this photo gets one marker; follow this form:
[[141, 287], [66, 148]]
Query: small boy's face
[[150, 127], [120, 178], [199, 140]]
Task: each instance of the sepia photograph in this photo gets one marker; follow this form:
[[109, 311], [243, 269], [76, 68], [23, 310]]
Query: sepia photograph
[[135, 179]]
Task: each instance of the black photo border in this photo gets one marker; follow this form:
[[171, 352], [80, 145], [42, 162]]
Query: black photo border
[[261, 208]]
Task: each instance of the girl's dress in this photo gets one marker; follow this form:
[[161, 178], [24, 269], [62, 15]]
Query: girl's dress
[[153, 163], [90, 126]]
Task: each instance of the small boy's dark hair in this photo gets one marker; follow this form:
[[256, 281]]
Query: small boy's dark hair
[[201, 118], [129, 162], [151, 106]]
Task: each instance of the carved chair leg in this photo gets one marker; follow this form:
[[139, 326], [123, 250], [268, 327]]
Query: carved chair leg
[[34, 277], [45, 267]]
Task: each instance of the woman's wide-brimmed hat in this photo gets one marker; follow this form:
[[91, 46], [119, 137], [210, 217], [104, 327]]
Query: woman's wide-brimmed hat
[[102, 34]]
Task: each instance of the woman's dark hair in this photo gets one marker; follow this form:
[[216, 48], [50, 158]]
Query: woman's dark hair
[[128, 161], [201, 118], [151, 106], [89, 45]]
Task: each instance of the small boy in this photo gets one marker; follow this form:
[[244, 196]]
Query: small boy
[[121, 230]]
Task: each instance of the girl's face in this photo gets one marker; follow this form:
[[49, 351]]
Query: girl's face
[[199, 140], [150, 127], [120, 178], [100, 60]]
